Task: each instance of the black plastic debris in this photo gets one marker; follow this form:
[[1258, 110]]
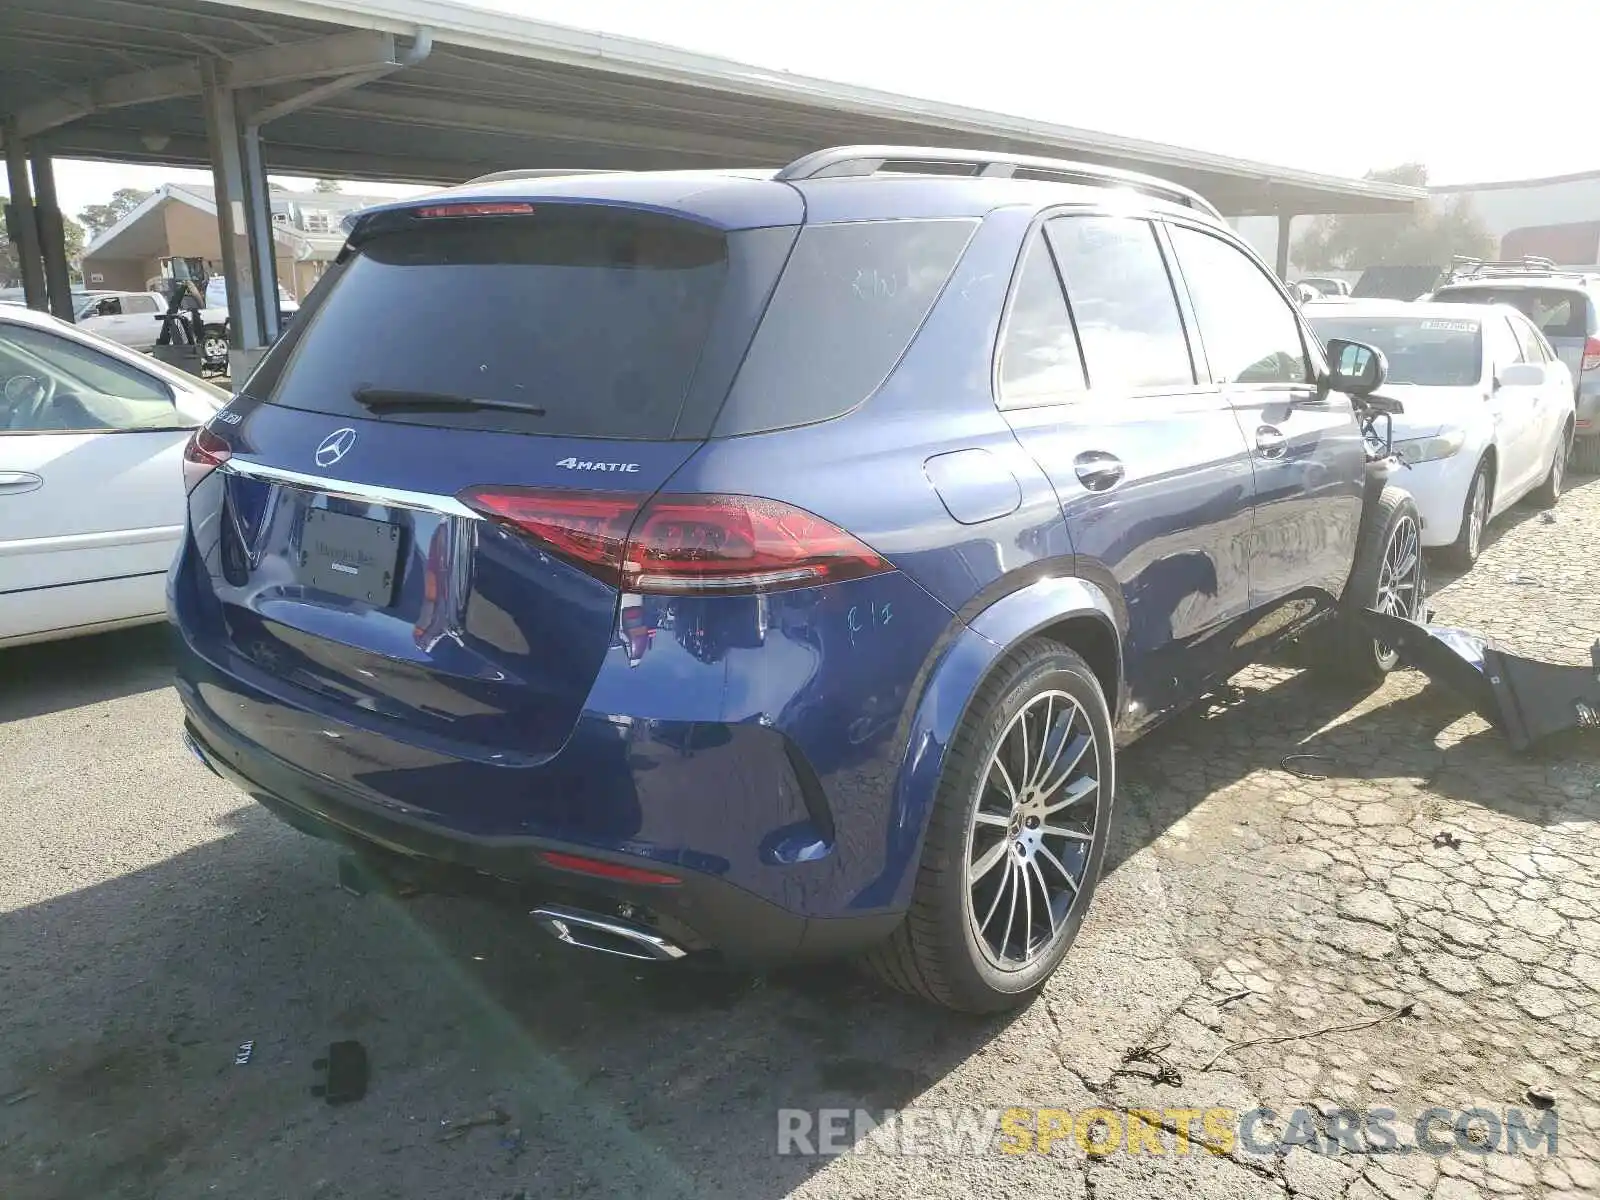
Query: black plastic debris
[[1526, 699], [346, 1067]]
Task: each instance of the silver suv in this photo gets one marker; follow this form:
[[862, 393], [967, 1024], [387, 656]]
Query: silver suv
[[1565, 305]]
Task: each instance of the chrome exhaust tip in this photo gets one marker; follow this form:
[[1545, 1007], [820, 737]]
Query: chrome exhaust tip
[[194, 748], [607, 935]]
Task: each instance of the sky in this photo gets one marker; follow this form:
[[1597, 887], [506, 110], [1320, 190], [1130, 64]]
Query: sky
[[1476, 89]]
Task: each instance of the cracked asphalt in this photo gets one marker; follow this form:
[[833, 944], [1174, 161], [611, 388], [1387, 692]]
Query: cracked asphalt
[[1429, 893]]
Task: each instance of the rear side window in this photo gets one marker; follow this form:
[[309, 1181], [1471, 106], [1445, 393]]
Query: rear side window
[[1249, 330], [1039, 359], [851, 298], [1122, 302], [1558, 312], [593, 319], [1530, 341]]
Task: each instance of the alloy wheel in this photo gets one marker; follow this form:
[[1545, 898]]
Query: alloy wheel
[[1031, 833], [214, 347], [1477, 515], [1400, 581]]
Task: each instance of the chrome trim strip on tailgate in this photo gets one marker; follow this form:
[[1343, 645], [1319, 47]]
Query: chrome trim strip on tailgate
[[367, 493]]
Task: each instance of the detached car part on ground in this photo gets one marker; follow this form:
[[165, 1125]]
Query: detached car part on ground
[[773, 564], [1526, 699]]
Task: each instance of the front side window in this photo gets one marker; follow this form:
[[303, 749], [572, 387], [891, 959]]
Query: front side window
[[1039, 359], [1247, 327], [50, 384], [1122, 302]]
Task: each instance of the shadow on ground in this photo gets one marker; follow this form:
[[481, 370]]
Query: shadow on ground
[[52, 676]]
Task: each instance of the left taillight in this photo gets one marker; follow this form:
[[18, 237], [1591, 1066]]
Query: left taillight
[[706, 545], [205, 452]]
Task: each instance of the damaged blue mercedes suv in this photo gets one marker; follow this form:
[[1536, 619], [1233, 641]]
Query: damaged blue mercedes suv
[[770, 563]]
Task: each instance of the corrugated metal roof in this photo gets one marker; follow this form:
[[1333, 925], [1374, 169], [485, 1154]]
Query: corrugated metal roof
[[501, 91]]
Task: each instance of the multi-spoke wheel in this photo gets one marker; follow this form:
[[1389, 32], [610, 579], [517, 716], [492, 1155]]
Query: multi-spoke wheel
[[1028, 845], [1016, 837], [1399, 581], [1389, 575]]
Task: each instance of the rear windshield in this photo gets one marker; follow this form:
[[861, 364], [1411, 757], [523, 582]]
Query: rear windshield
[[593, 319], [1558, 312], [1425, 351]]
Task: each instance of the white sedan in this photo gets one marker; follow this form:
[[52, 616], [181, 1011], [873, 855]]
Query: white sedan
[[91, 478], [1488, 409]]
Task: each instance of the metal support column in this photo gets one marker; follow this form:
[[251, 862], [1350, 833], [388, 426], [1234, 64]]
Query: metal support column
[[23, 227], [52, 234], [1285, 223], [263, 246], [228, 177]]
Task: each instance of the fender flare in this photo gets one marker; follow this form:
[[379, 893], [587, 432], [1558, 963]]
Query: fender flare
[[971, 651]]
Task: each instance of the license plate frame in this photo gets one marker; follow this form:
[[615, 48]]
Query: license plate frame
[[356, 558]]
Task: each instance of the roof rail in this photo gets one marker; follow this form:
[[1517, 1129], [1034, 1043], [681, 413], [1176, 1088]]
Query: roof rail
[[535, 173], [870, 160], [1463, 267]]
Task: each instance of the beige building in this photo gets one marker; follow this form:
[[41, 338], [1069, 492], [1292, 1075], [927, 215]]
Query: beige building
[[179, 220]]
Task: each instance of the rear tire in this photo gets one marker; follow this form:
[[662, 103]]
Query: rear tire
[[1388, 575], [1463, 552], [997, 850], [1548, 493]]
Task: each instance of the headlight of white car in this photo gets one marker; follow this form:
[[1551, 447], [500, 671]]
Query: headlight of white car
[[1420, 450]]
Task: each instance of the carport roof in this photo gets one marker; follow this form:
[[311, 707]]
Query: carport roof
[[500, 91]]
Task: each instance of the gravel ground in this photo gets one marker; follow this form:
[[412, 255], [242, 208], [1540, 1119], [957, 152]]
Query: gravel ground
[[151, 921]]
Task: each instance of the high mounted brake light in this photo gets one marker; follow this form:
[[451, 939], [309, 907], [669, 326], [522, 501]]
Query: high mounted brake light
[[698, 545], [499, 208]]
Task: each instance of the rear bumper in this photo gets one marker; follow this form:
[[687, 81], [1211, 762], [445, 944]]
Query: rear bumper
[[1588, 407], [701, 912]]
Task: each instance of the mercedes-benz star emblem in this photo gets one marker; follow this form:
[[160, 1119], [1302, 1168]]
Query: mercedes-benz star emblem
[[335, 446]]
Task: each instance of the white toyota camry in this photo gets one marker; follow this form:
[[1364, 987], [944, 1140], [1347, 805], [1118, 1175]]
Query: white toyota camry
[[1488, 409], [91, 478]]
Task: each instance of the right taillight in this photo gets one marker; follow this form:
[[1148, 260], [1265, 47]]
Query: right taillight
[[706, 545], [1591, 354], [205, 452]]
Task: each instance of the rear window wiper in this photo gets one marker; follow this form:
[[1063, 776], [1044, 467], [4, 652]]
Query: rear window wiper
[[398, 400]]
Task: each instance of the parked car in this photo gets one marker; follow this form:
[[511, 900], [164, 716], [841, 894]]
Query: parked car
[[1326, 285], [91, 478], [938, 485], [1488, 409], [215, 323], [131, 319], [1566, 308]]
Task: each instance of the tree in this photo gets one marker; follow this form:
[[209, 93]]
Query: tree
[[10, 269], [327, 185], [1426, 236], [100, 217], [10, 264]]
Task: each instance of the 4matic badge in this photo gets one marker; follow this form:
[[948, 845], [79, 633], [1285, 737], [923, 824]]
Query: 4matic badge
[[580, 464]]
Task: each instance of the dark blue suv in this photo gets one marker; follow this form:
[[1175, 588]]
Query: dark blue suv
[[769, 563]]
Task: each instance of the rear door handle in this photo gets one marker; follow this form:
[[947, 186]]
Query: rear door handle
[[1098, 471], [1270, 442], [14, 483]]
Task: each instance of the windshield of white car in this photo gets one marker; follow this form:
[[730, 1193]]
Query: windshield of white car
[[1424, 351]]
